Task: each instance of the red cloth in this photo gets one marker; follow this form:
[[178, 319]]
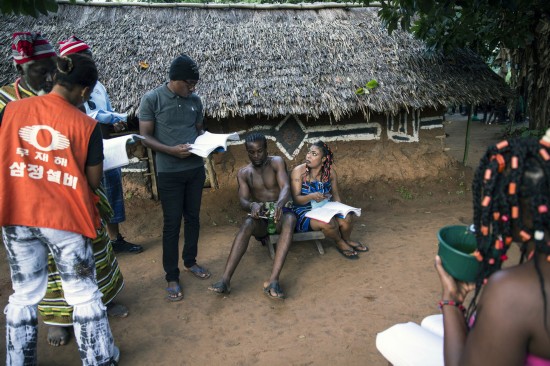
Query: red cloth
[[72, 45], [30, 46]]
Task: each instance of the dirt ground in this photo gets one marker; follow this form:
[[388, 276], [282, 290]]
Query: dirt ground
[[335, 307]]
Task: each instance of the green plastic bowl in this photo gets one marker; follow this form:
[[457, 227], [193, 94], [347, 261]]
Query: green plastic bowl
[[456, 244]]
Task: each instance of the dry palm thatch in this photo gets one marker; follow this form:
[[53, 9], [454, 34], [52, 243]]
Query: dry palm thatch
[[265, 62]]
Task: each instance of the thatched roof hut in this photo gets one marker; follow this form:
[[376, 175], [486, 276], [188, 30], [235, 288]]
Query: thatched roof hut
[[265, 61]]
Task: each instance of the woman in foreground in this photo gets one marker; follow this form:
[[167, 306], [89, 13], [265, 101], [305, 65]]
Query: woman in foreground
[[508, 322]]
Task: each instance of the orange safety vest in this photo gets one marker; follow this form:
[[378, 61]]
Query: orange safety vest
[[42, 166]]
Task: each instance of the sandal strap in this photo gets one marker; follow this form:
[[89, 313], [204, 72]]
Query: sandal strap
[[276, 287]]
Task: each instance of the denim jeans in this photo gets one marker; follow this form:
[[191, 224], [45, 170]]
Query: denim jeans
[[180, 195], [27, 250]]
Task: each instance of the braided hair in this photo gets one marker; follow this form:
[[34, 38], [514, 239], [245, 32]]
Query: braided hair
[[512, 180], [75, 70], [254, 137], [325, 169]]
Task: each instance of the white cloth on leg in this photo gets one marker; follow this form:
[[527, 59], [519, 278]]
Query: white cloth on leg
[[409, 344], [27, 249]]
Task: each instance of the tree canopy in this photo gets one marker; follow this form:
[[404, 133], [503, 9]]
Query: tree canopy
[[521, 28], [517, 30], [28, 7], [480, 25]]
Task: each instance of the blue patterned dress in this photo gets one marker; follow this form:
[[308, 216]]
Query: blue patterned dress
[[302, 222]]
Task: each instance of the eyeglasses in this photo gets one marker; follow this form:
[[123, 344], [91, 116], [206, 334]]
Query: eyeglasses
[[191, 83]]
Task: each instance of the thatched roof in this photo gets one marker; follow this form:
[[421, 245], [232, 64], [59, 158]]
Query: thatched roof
[[269, 62]]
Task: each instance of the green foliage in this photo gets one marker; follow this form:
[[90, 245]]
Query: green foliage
[[238, 1], [523, 131], [405, 193], [371, 85], [479, 25], [28, 7]]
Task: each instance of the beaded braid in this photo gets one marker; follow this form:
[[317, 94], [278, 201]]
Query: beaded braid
[[325, 169], [506, 174]]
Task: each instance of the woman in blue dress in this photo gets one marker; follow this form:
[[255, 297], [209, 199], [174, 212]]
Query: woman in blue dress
[[313, 184]]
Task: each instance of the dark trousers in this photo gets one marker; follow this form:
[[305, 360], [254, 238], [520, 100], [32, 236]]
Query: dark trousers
[[180, 195]]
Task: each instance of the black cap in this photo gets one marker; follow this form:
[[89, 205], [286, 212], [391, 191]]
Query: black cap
[[183, 68]]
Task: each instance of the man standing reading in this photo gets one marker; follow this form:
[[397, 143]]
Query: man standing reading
[[171, 118]]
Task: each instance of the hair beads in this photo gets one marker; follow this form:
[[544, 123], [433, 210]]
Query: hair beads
[[512, 182], [325, 169]]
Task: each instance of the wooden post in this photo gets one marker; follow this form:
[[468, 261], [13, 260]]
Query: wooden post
[[211, 172], [467, 141], [153, 174]]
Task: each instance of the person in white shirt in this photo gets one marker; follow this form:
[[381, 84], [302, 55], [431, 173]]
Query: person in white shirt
[[99, 108]]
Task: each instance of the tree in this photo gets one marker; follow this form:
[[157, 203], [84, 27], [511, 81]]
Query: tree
[[29, 7], [519, 28]]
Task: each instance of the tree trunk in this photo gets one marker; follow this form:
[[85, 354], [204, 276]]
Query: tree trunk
[[534, 77]]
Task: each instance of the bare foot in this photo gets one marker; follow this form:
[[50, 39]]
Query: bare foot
[[58, 336], [344, 246], [117, 310], [346, 250], [357, 246]]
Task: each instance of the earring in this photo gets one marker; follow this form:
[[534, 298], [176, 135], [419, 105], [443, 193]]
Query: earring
[[83, 97]]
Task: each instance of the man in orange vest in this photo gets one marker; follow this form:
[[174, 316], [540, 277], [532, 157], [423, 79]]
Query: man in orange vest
[[36, 67], [53, 155]]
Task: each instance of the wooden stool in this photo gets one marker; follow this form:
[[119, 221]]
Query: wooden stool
[[317, 236]]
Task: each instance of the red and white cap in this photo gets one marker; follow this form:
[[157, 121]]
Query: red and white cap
[[30, 46], [72, 45]]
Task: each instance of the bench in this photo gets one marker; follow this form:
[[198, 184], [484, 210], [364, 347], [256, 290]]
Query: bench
[[316, 236]]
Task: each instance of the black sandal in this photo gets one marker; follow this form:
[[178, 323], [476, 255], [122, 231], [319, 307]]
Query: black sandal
[[220, 287], [279, 295], [348, 253], [359, 248]]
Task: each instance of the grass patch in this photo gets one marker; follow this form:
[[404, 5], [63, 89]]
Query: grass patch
[[405, 193]]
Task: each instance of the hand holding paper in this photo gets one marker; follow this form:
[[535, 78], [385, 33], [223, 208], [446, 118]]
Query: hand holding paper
[[208, 142], [114, 151]]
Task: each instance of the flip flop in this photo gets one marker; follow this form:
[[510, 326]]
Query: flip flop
[[359, 248], [174, 293], [347, 253], [220, 287], [279, 295], [198, 272]]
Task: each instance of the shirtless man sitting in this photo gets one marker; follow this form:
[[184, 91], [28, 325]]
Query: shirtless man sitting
[[262, 181]]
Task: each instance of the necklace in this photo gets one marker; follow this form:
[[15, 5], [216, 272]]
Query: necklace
[[16, 85]]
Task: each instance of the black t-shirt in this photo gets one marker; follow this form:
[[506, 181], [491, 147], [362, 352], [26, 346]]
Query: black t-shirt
[[95, 146]]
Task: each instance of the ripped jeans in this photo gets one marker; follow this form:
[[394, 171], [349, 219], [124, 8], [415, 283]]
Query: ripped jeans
[[27, 249]]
